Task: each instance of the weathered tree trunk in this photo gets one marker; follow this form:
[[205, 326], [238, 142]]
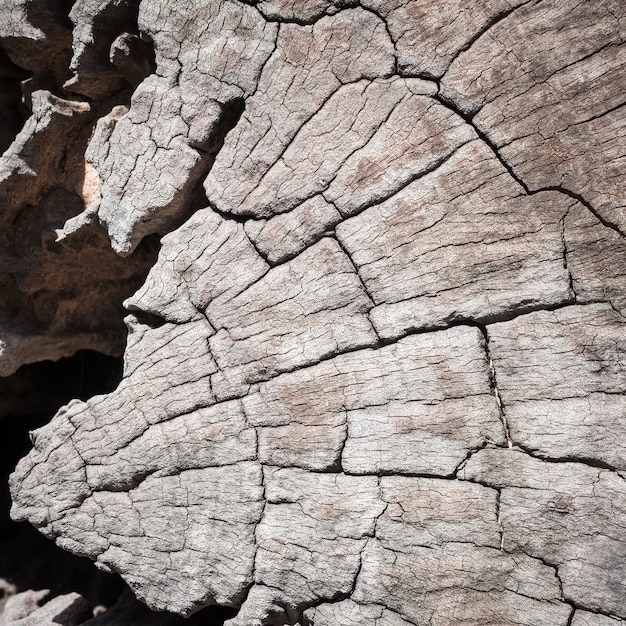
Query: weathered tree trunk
[[377, 374]]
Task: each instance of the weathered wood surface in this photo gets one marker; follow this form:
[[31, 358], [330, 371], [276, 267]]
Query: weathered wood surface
[[377, 374]]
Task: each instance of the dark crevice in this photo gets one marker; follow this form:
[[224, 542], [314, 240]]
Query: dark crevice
[[499, 519], [258, 250], [470, 453], [299, 617], [391, 473], [230, 116], [279, 614], [383, 342], [40, 389], [583, 460], [493, 383], [598, 116], [588, 462], [232, 217], [133, 56], [570, 278], [13, 110], [144, 317], [246, 592], [52, 17], [383, 607], [337, 464]]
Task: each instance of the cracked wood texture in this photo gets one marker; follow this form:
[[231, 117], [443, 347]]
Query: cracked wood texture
[[377, 374]]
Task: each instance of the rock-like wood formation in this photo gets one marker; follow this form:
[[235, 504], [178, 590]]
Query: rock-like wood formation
[[377, 374], [62, 290]]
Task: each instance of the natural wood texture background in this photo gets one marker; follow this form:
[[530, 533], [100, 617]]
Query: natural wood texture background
[[377, 373]]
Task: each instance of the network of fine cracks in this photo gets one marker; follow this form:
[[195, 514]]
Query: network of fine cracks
[[374, 374]]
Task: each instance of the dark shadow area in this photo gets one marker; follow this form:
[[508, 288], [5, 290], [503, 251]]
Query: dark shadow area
[[36, 391], [28, 561], [13, 112], [47, 56], [129, 611], [29, 399]]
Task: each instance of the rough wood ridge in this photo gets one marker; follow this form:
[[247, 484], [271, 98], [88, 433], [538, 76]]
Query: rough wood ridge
[[377, 374]]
